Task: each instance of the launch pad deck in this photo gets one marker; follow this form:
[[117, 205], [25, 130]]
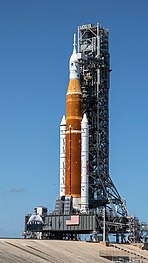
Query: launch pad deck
[[64, 226]]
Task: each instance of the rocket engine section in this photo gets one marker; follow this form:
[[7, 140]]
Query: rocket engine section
[[70, 141]]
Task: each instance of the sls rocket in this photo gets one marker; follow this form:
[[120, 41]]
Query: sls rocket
[[74, 137]]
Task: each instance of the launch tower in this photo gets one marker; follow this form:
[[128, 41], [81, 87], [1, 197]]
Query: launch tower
[[93, 47]]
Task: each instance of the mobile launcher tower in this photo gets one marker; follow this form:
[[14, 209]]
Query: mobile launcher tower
[[89, 202]]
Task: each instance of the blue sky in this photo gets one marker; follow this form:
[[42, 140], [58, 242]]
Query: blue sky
[[35, 45]]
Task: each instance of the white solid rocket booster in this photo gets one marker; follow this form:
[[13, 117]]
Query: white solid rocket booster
[[84, 163], [62, 155]]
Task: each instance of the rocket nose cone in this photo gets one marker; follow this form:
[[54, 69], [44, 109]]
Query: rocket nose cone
[[63, 121], [84, 118], [74, 57]]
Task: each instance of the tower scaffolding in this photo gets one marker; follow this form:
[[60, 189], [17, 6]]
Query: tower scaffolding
[[94, 57]]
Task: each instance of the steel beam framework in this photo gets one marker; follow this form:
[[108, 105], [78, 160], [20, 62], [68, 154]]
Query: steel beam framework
[[93, 45]]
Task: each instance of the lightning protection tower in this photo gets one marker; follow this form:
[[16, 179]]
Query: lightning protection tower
[[94, 57]]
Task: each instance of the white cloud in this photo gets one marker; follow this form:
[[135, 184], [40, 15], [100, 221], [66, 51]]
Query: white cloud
[[17, 190]]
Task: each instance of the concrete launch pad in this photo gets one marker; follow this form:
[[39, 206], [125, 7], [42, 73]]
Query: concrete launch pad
[[42, 251]]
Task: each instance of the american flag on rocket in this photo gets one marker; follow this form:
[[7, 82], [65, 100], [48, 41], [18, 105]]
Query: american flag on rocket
[[73, 220]]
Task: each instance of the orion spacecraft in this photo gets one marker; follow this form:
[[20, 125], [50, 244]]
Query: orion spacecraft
[[74, 140]]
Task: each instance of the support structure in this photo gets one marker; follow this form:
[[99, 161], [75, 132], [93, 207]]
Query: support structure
[[93, 48]]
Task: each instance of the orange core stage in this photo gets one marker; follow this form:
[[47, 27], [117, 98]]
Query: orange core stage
[[73, 138]]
